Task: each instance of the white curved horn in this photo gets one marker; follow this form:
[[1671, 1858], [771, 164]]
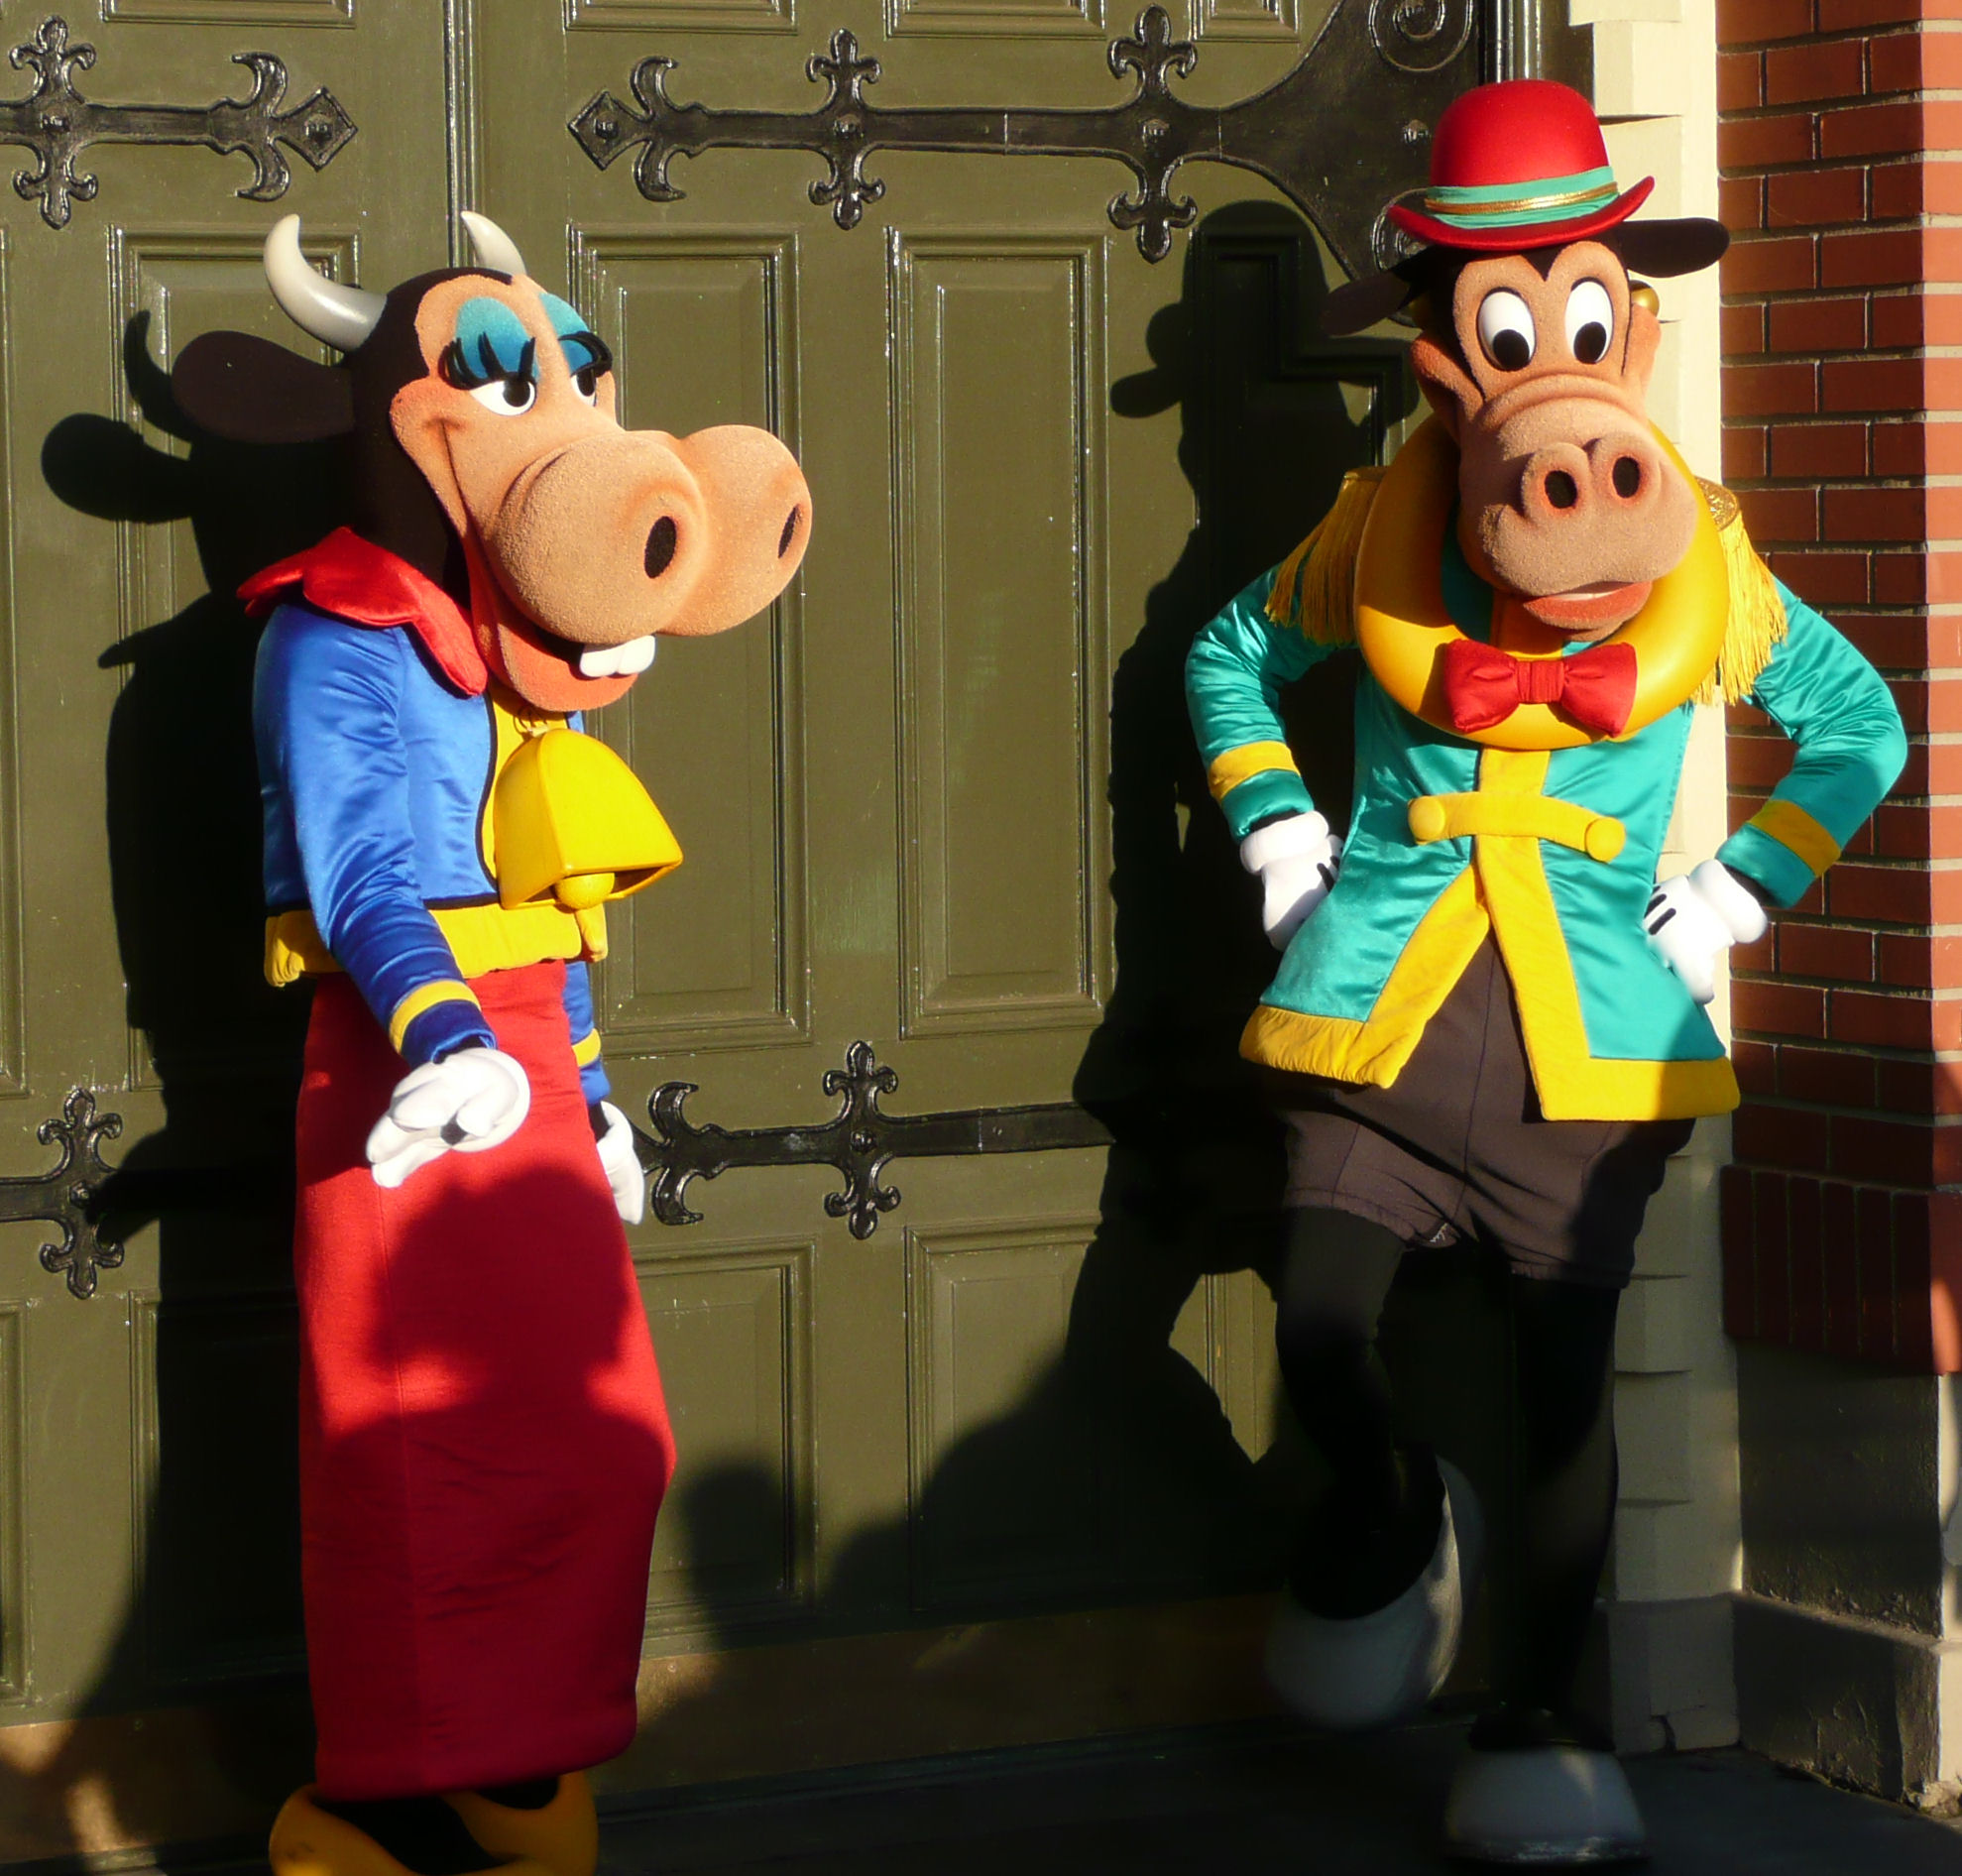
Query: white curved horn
[[337, 316], [493, 248]]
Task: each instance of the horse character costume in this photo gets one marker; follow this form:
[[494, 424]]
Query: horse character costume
[[484, 1445], [1488, 1025]]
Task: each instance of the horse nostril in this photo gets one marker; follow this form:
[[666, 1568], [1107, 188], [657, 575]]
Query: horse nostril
[[1561, 488], [1627, 477], [662, 540], [789, 533]]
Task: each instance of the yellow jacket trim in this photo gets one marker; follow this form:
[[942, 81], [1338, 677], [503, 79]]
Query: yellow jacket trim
[[586, 1050], [1435, 817], [1791, 826], [1226, 771], [426, 997], [482, 938], [1446, 940], [1572, 1083]]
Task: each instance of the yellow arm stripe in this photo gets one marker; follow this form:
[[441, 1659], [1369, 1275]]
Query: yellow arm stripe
[[1791, 826], [428, 997], [1226, 773], [586, 1050]]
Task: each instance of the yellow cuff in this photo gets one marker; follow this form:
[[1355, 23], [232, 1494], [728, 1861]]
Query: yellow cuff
[[586, 1051], [1791, 826], [428, 997], [1226, 771]]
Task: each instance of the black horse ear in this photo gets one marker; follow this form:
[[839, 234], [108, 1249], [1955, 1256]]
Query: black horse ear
[[248, 390]]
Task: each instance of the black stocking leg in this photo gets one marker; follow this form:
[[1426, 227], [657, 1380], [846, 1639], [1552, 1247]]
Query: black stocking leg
[[426, 1835], [1563, 1441], [1377, 1526], [422, 1833], [535, 1794]]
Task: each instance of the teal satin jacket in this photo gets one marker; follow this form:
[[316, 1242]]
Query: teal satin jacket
[[1551, 853]]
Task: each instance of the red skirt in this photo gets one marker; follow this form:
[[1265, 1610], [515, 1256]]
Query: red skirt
[[483, 1440]]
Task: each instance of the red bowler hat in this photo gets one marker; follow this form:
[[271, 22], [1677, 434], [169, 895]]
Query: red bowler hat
[[1515, 166]]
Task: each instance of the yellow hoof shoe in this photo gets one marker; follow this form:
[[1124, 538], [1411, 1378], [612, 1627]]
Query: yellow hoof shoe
[[563, 1836], [310, 1841]]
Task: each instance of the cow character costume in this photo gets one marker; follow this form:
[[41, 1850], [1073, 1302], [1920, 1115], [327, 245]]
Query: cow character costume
[[1488, 1025], [484, 1445]]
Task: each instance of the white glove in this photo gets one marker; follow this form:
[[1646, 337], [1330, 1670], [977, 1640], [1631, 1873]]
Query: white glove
[[1697, 916], [1297, 859], [623, 1166], [471, 1101]]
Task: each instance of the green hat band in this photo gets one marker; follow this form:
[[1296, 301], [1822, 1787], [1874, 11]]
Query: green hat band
[[1520, 204]]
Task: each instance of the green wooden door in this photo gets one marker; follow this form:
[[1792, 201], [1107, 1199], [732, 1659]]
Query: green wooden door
[[942, 800], [937, 801]]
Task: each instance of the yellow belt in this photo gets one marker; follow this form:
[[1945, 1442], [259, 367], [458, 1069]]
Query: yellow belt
[[1518, 817], [483, 938]]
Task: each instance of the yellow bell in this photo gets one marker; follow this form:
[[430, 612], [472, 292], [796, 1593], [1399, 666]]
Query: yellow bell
[[571, 823]]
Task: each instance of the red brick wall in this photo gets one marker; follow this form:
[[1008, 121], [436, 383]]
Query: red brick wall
[[1840, 141]]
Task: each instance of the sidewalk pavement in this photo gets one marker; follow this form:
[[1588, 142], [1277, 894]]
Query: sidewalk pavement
[[1243, 1802]]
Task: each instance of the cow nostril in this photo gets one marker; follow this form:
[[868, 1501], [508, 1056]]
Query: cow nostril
[[789, 533], [1627, 477], [1561, 488], [662, 540]]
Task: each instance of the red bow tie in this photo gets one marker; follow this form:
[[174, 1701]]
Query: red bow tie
[[1483, 685]]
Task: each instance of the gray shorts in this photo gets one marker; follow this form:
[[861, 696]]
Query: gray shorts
[[1457, 1149]]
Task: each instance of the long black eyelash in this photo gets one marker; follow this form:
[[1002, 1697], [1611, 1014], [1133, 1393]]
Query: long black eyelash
[[459, 370], [456, 368], [602, 360]]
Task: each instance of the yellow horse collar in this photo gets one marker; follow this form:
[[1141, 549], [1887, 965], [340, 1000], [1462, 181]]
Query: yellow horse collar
[[1403, 627]]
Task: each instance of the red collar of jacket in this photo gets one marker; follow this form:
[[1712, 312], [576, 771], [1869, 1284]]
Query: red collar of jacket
[[367, 585]]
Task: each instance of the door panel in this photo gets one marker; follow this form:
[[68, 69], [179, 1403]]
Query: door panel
[[1000, 629], [705, 331]]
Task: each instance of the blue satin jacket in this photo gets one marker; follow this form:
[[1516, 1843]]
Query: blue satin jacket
[[375, 779]]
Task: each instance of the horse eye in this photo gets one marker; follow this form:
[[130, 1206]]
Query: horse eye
[[586, 381], [1505, 330], [1590, 321]]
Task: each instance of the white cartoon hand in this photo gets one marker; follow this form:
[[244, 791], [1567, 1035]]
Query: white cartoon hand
[[623, 1166], [1296, 860], [468, 1101], [1695, 918]]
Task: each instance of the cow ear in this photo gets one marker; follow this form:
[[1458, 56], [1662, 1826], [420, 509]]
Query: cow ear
[[248, 390]]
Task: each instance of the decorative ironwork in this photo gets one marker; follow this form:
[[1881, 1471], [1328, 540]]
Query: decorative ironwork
[[69, 1194], [56, 123], [1340, 134], [860, 1140]]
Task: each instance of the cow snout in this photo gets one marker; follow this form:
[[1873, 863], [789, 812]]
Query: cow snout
[[607, 539]]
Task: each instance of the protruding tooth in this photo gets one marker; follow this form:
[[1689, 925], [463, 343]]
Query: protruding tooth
[[618, 660]]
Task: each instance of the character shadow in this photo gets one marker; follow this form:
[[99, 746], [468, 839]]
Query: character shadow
[[214, 1607], [1118, 1475]]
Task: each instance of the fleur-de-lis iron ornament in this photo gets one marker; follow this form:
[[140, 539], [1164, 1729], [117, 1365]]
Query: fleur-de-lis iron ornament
[[69, 1193], [860, 1139], [56, 123], [1341, 133]]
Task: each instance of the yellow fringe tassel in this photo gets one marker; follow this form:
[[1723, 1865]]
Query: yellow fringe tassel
[[1757, 614], [1315, 586]]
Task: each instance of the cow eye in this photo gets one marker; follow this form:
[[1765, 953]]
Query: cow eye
[[507, 396], [1590, 321], [586, 381], [1505, 330]]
